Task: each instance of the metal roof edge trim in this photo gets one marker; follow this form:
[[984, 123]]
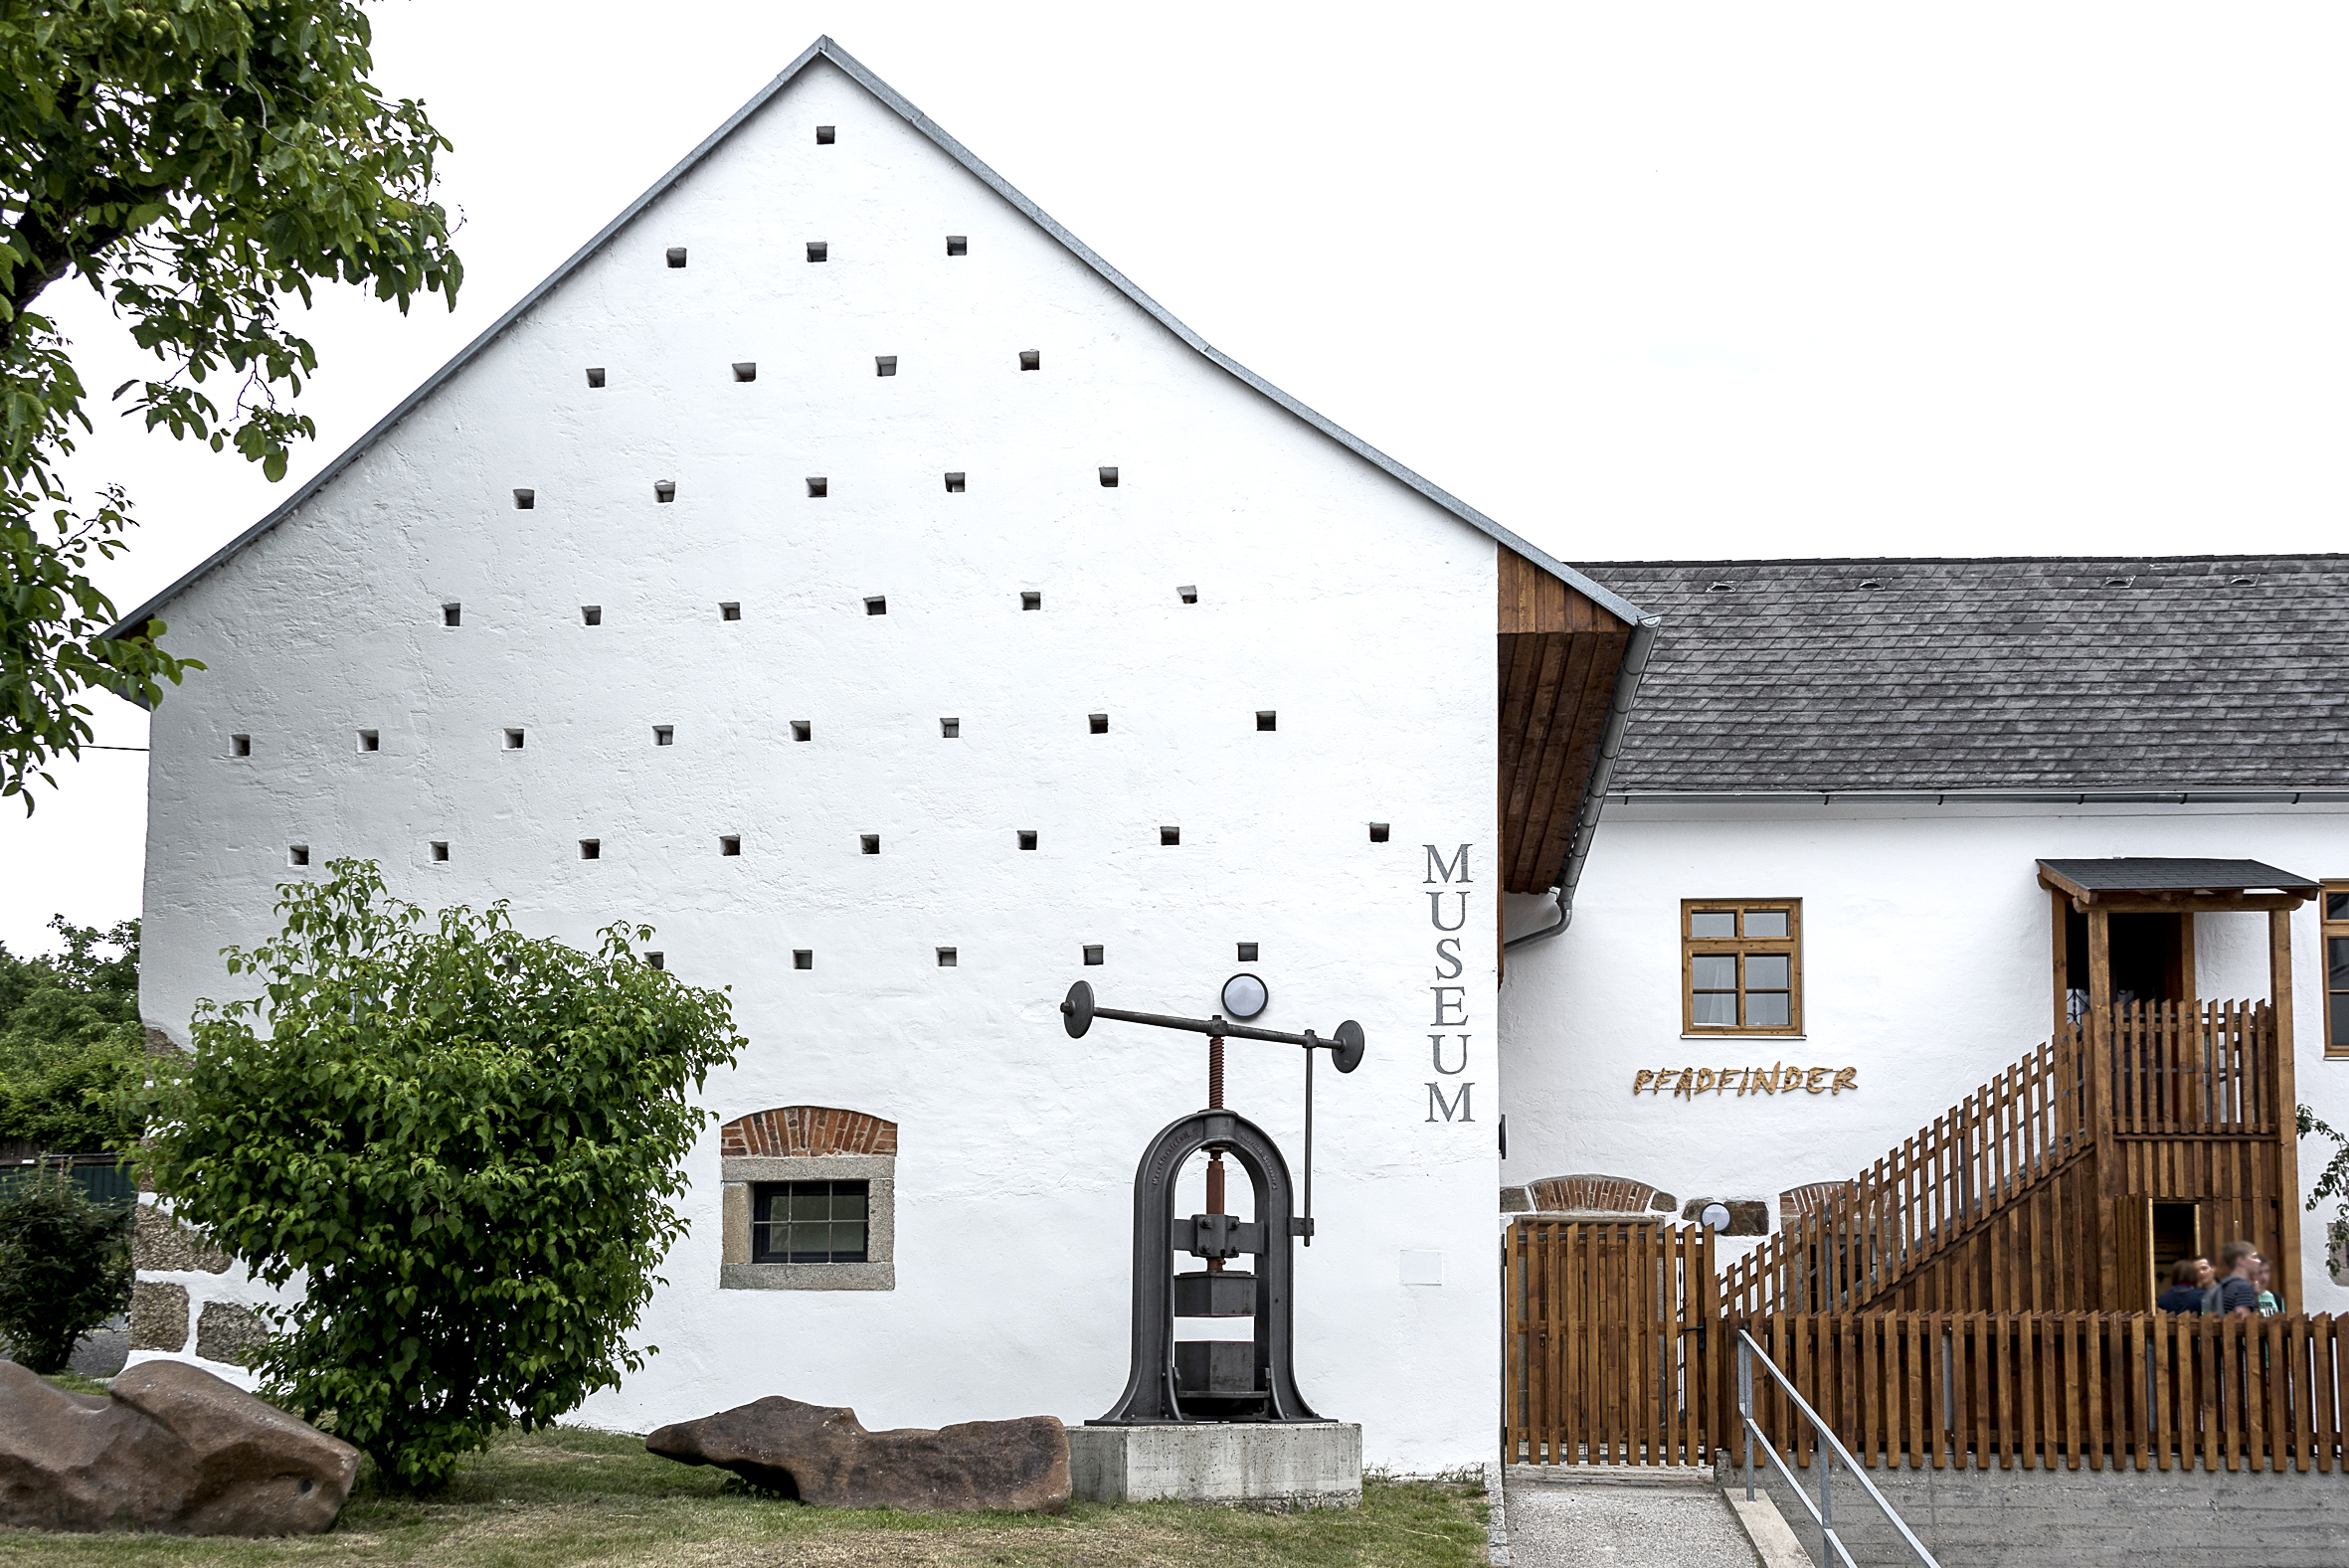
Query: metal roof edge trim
[[2187, 796], [826, 47]]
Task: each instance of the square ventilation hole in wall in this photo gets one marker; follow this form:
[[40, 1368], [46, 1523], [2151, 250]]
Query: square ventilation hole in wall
[[665, 490], [818, 487], [1109, 478], [746, 370], [513, 740], [949, 729], [1188, 593], [452, 614], [729, 844], [590, 849], [946, 957], [803, 958], [1267, 719], [1027, 839], [370, 741], [818, 251], [1093, 953], [802, 730], [676, 255], [823, 138], [870, 843], [657, 961], [1030, 598], [664, 734], [298, 855], [1377, 832], [729, 609], [526, 500], [591, 615], [1031, 359], [1098, 723], [240, 746], [953, 484], [958, 245], [876, 605], [439, 849], [1247, 952], [1168, 837], [884, 364], [594, 375]]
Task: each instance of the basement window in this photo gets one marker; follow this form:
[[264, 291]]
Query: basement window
[[958, 245], [676, 255], [1742, 965], [811, 1221]]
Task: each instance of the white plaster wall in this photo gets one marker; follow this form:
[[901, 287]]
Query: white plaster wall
[[1926, 955], [1359, 612]]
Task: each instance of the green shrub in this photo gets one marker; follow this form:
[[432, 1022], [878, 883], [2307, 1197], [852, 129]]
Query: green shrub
[[65, 1267], [461, 1140], [71, 1040]]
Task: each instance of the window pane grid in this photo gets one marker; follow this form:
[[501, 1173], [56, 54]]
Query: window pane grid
[[1741, 959], [809, 1222]]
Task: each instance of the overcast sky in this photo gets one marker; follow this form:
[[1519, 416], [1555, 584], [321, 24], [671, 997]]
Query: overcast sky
[[1686, 281]]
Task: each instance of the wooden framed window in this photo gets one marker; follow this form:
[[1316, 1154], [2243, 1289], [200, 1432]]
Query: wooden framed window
[[1740, 964], [2336, 968]]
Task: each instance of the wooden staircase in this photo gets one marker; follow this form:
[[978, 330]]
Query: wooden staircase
[[2034, 1194]]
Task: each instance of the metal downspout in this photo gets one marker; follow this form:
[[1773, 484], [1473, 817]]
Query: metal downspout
[[1603, 770]]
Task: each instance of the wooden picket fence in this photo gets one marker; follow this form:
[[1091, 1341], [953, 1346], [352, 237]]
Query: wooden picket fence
[[2054, 1390], [1611, 1336]]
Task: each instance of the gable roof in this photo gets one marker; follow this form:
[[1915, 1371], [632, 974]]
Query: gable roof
[[2088, 675], [823, 47]]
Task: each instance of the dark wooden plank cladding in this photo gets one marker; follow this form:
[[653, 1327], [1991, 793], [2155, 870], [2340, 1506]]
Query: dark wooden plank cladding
[[1558, 654]]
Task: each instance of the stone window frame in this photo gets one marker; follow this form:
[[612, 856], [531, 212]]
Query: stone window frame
[[741, 1172]]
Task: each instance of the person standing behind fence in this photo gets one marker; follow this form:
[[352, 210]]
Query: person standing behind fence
[[2268, 1303], [2185, 1293], [2238, 1296]]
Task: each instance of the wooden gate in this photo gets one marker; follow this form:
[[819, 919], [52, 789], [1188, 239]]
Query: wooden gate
[[1606, 1336]]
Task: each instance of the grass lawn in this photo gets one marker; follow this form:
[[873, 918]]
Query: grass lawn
[[575, 1497]]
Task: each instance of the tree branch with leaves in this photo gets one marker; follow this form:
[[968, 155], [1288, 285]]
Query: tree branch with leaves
[[196, 164]]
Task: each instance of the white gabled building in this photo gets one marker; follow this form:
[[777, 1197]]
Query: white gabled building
[[842, 569]]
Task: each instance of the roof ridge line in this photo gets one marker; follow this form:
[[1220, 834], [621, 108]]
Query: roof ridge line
[[826, 47]]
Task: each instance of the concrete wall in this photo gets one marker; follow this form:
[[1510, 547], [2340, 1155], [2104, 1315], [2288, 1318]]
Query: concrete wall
[[1975, 1519], [1349, 605], [1925, 966]]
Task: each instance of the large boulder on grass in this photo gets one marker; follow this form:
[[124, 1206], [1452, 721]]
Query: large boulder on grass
[[175, 1449], [822, 1455]]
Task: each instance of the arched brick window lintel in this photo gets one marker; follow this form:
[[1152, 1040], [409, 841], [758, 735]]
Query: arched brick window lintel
[[805, 1131]]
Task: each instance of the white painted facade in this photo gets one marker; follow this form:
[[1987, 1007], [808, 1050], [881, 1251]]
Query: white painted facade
[[1329, 593], [1925, 958]]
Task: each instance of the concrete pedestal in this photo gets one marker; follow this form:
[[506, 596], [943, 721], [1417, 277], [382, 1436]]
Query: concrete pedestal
[[1278, 1466]]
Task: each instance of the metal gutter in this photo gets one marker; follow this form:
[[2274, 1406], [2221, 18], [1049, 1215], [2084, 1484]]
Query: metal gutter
[[2189, 796], [824, 46], [1602, 768]]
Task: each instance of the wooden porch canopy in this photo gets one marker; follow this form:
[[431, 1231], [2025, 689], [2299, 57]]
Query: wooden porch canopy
[[1560, 656], [2152, 885]]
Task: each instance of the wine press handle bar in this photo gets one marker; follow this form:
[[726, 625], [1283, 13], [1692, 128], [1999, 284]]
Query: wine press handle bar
[[1079, 1010]]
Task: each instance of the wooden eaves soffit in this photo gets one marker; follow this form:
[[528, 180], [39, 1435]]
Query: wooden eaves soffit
[[1560, 654]]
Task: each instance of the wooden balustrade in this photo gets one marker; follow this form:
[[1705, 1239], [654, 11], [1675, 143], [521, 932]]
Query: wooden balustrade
[[2152, 1098], [2054, 1390]]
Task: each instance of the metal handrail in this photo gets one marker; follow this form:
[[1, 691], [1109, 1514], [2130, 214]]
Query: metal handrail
[[1831, 1547]]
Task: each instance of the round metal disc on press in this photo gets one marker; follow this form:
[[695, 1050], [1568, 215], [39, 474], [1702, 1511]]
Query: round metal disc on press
[[1244, 996], [1348, 1052], [1076, 1014]]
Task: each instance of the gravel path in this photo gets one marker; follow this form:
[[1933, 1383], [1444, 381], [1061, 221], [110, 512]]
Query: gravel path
[[1569, 1517]]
